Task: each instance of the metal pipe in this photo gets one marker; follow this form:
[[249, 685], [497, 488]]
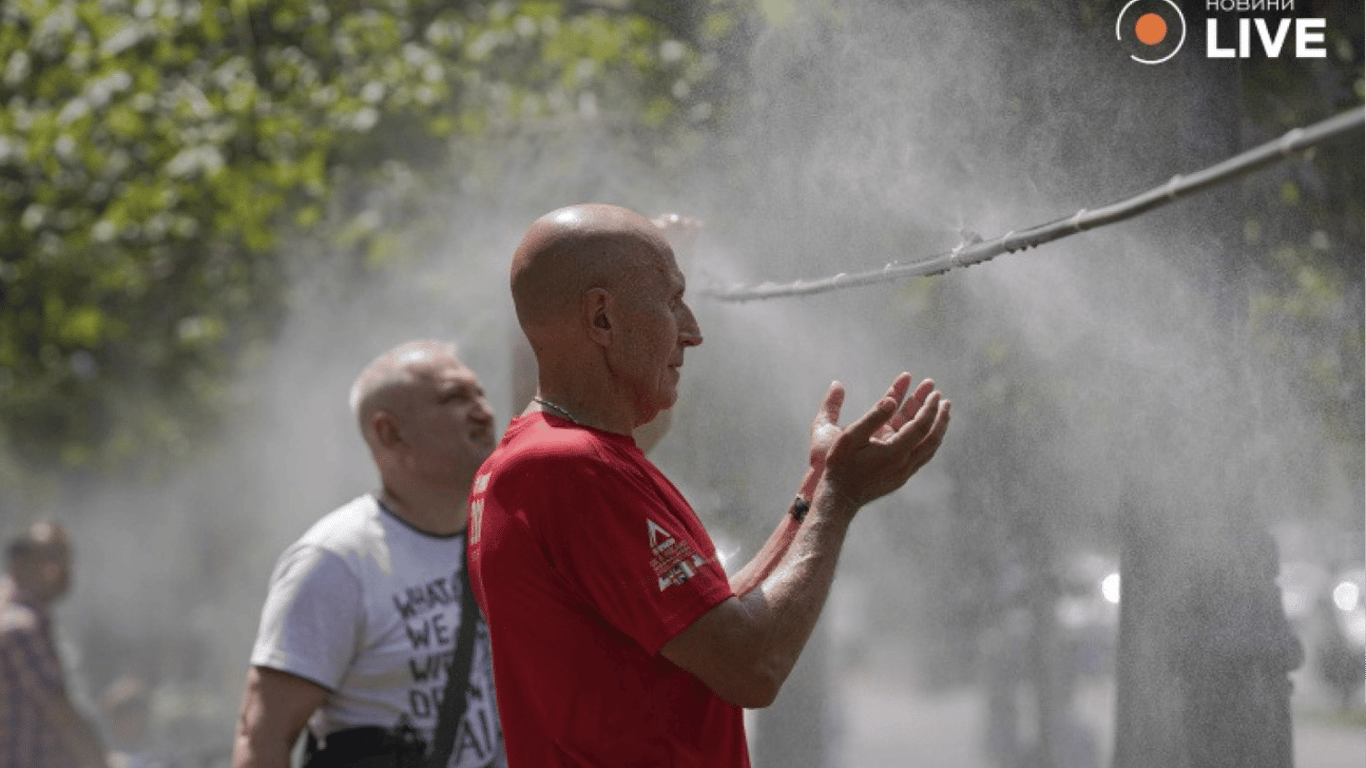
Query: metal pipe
[[978, 251]]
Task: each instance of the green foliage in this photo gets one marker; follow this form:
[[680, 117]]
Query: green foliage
[[159, 157], [168, 165], [1311, 244]]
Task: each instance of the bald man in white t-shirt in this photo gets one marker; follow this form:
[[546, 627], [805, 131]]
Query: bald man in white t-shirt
[[363, 619]]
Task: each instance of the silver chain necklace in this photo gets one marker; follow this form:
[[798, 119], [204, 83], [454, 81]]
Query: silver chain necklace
[[562, 411]]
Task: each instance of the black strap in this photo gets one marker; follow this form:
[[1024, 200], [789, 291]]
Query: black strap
[[456, 698]]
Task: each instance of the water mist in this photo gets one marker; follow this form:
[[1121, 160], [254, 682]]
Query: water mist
[[1083, 375]]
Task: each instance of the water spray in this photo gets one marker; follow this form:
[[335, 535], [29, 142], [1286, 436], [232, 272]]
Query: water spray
[[977, 250]]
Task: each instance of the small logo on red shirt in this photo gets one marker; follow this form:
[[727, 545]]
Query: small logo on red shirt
[[481, 484], [673, 561]]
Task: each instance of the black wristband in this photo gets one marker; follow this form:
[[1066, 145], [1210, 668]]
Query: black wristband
[[799, 509]]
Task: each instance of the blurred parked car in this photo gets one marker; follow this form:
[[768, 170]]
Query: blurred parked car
[[1088, 611], [1341, 649], [1303, 587], [1328, 611]]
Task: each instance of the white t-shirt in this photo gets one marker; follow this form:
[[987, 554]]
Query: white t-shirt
[[369, 607]]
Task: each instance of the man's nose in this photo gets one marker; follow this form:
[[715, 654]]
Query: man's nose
[[483, 409], [689, 332]]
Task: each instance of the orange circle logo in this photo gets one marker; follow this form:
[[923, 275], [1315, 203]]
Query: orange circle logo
[[1151, 31]]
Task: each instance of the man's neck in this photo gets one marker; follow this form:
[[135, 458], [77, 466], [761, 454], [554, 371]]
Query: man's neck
[[437, 513], [587, 410]]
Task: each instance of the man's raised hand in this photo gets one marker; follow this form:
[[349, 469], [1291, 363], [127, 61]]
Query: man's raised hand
[[880, 451]]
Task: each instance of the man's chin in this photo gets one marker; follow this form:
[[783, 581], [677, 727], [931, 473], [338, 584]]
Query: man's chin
[[651, 432]]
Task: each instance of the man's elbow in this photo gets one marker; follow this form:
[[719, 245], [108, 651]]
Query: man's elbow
[[758, 698], [754, 688], [245, 748], [730, 650]]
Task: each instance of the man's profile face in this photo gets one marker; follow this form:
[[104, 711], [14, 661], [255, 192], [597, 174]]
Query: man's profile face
[[657, 326]]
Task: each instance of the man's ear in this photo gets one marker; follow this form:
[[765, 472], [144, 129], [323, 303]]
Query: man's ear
[[597, 313], [385, 428]]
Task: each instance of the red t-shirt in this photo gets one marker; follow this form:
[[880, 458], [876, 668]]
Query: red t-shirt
[[586, 561]]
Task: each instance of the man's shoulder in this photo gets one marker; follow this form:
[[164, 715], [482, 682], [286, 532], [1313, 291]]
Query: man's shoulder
[[535, 441], [17, 618], [563, 463], [334, 546], [343, 528]]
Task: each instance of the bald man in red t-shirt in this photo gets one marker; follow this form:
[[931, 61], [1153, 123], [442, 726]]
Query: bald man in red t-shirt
[[618, 639]]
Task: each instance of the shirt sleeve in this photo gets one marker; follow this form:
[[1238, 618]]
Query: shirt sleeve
[[310, 625], [629, 551]]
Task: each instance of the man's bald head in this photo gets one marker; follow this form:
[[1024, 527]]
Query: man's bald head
[[570, 251], [425, 419], [387, 382]]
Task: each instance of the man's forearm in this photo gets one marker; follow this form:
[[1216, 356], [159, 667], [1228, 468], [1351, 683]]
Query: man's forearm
[[767, 559], [790, 599], [762, 565]]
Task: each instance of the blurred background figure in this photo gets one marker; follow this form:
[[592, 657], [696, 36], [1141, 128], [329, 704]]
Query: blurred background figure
[[1047, 631], [39, 726], [126, 705]]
